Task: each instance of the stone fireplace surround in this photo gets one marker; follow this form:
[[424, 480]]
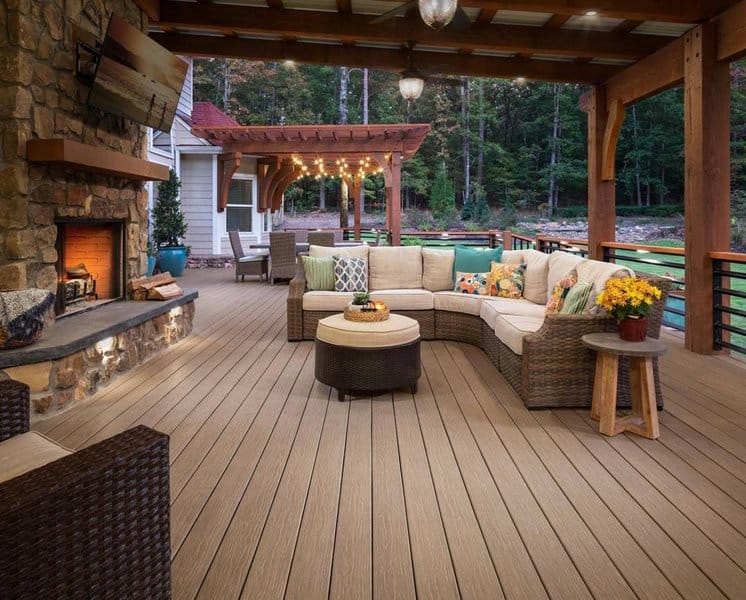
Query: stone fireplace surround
[[40, 98]]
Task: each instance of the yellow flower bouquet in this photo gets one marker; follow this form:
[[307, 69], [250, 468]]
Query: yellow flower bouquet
[[628, 297]]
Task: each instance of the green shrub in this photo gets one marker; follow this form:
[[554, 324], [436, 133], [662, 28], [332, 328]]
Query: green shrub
[[658, 210]]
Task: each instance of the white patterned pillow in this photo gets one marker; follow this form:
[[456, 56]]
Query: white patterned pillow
[[350, 274]]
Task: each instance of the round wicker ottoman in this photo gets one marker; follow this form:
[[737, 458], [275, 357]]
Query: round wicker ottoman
[[368, 358]]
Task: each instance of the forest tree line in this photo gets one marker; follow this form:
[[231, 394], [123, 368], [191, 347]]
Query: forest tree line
[[494, 142]]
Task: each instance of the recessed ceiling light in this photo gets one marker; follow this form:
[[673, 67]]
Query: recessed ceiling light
[[591, 13]]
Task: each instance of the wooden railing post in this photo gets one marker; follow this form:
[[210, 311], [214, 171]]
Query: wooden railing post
[[507, 239]]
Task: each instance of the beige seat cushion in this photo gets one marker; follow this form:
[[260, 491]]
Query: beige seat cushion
[[26, 452], [395, 268], [469, 304], [488, 313], [437, 269], [560, 264], [323, 300], [535, 277], [394, 331], [405, 299], [511, 329], [598, 273], [346, 251], [519, 307]]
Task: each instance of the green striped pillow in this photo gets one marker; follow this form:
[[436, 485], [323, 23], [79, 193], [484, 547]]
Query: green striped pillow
[[319, 273], [577, 298]]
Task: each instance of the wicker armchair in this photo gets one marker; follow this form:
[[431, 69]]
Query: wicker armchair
[[92, 524], [251, 263], [282, 255], [321, 238]]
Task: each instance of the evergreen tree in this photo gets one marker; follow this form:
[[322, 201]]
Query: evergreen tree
[[442, 198], [169, 224]]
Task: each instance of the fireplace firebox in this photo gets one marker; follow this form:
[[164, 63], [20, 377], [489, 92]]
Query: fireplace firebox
[[90, 268]]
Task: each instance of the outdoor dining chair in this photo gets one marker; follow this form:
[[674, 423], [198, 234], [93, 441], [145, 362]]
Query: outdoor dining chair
[[282, 255], [251, 263], [321, 238]]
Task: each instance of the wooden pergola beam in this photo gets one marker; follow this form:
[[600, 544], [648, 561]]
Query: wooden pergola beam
[[385, 59], [228, 164], [347, 27]]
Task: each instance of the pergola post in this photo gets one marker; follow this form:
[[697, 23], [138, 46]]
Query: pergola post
[[707, 177], [356, 185], [394, 199], [601, 191]]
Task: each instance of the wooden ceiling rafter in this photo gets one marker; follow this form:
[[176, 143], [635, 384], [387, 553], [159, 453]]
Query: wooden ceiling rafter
[[386, 59], [340, 28]]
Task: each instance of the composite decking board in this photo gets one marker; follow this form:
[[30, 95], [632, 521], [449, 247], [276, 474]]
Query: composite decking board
[[730, 508], [680, 570], [599, 572], [719, 567], [707, 520], [144, 372], [671, 495], [393, 575], [352, 566], [555, 567], [207, 369], [634, 565], [202, 538], [269, 569], [732, 464], [215, 443], [475, 571], [185, 358], [515, 569], [310, 571], [212, 378], [434, 575]]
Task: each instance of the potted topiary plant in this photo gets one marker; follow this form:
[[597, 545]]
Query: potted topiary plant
[[169, 227]]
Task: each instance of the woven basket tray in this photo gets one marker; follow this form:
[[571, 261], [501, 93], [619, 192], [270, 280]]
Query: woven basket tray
[[368, 316]]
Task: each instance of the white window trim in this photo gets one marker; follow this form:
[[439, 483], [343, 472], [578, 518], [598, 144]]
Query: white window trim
[[220, 235]]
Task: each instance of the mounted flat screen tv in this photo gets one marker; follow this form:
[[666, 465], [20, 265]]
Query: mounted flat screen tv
[[137, 78]]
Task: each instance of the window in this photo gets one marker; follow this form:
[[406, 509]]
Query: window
[[239, 206]]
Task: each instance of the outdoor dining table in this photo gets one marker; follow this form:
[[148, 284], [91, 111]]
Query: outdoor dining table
[[303, 246]]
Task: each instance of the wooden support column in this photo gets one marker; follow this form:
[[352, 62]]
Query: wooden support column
[[357, 184], [601, 193], [707, 177], [394, 200]]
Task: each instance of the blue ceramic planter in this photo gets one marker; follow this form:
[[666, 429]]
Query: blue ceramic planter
[[151, 266], [172, 259]]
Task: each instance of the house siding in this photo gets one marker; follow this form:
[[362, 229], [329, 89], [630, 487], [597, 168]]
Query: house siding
[[197, 201], [185, 99]]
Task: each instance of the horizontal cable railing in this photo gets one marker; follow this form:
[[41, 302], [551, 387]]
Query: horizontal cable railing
[[549, 244], [729, 300], [656, 260], [450, 238]]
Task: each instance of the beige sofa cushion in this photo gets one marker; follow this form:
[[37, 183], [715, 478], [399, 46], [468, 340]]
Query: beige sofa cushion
[[469, 304], [405, 299], [560, 264], [347, 251], [511, 329], [27, 451], [394, 331], [437, 269], [535, 277], [598, 273], [512, 257], [322, 300], [395, 268], [520, 307]]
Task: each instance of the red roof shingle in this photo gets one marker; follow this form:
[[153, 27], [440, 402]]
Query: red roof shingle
[[206, 114]]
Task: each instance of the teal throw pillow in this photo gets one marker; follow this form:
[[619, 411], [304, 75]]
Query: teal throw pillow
[[319, 273], [468, 259], [577, 298]]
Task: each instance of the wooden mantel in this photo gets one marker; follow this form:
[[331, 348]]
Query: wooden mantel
[[85, 157]]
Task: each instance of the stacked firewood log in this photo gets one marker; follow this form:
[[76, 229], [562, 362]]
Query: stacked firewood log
[[158, 287]]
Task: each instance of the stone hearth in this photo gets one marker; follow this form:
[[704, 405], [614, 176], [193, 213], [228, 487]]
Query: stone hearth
[[80, 353]]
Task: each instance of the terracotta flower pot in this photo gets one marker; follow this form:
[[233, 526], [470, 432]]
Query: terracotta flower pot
[[633, 330]]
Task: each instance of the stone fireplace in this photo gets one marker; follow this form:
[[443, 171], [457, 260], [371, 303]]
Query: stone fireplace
[[90, 271]]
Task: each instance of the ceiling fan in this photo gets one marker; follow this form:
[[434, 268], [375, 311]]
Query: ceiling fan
[[438, 14]]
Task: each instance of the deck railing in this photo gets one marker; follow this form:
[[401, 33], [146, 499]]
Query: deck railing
[[729, 300], [549, 244]]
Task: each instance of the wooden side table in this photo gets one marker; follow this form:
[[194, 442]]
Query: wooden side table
[[644, 417]]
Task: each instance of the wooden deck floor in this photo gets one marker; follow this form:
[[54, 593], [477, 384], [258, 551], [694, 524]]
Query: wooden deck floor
[[280, 490]]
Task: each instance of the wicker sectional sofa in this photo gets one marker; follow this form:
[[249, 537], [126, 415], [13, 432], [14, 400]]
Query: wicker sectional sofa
[[541, 356]]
